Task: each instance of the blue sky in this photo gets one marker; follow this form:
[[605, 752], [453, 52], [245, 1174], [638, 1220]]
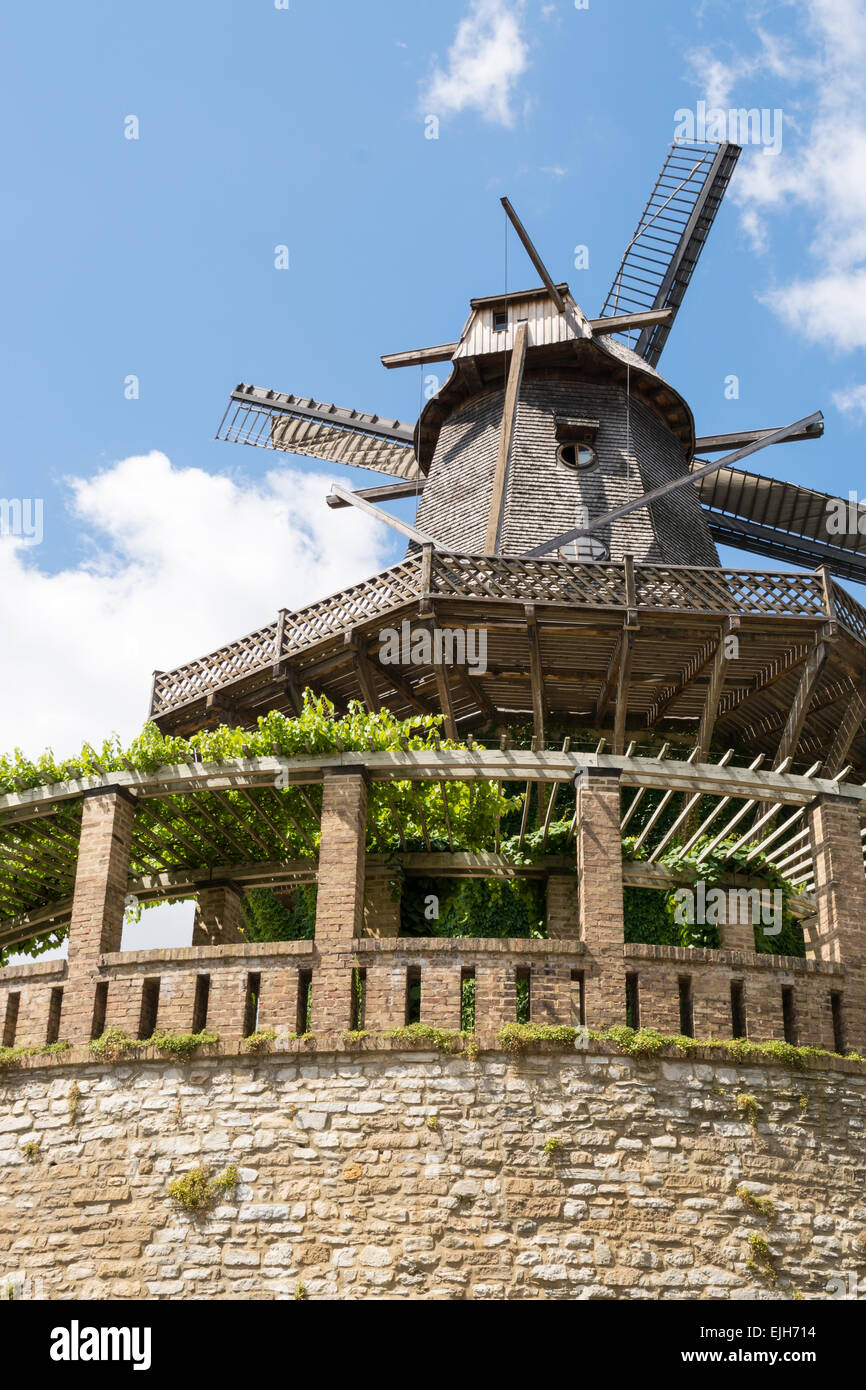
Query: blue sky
[[304, 127]]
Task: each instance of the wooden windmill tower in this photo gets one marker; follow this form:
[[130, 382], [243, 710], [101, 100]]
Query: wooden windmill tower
[[567, 507]]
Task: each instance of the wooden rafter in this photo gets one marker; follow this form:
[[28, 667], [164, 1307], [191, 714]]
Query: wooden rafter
[[471, 683], [690, 672], [848, 728], [609, 683], [772, 672], [815, 663]]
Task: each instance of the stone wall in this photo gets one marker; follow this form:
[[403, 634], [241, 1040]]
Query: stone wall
[[395, 1174]]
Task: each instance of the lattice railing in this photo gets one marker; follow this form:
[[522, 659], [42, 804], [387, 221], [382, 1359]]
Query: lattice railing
[[849, 612], [730, 591], [520, 581], [373, 597], [529, 581]]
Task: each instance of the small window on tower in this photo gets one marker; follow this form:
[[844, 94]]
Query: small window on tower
[[576, 455], [500, 320]]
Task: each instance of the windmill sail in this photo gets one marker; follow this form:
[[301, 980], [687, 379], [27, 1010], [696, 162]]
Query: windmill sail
[[784, 521], [297, 425], [660, 258]]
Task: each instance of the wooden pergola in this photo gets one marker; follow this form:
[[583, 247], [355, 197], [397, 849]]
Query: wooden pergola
[[198, 823]]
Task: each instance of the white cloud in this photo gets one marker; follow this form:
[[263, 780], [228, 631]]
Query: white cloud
[[820, 169], [177, 562], [829, 308], [851, 401], [485, 60]]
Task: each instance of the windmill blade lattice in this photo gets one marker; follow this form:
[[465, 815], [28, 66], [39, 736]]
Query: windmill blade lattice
[[782, 520], [296, 425], [660, 258]]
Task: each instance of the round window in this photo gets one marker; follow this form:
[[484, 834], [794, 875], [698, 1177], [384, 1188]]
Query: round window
[[576, 455], [583, 549]]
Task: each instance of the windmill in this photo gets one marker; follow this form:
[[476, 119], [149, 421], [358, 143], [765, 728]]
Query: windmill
[[748, 510], [567, 505]]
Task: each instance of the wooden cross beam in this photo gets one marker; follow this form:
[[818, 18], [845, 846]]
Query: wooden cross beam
[[624, 323], [690, 672], [715, 443], [385, 492], [506, 439], [419, 356], [354, 499]]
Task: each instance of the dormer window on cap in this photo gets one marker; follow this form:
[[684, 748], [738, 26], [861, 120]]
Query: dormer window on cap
[[575, 438]]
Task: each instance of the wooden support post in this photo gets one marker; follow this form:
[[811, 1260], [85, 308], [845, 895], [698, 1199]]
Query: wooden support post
[[815, 663], [361, 665], [425, 581], [506, 438], [443, 690], [622, 685], [536, 675]]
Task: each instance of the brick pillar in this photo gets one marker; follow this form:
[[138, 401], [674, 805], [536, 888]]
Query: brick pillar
[[96, 925], [381, 906], [550, 992], [599, 893], [340, 895], [385, 995], [562, 914], [441, 992], [711, 1003], [177, 1000], [659, 996], [278, 1002], [839, 933], [736, 936], [495, 993], [219, 917]]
